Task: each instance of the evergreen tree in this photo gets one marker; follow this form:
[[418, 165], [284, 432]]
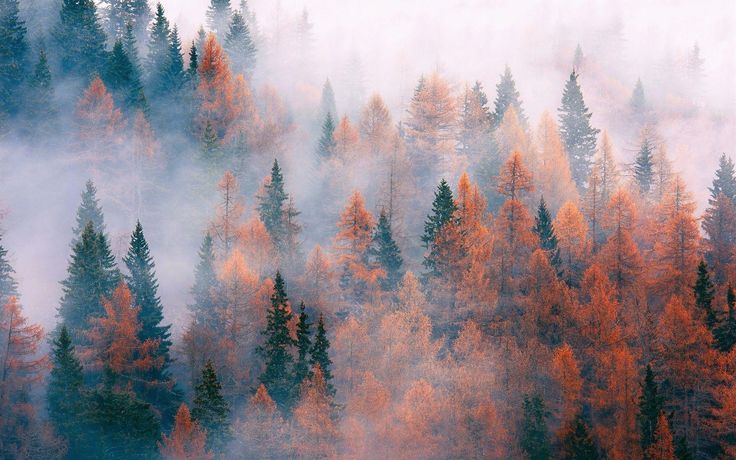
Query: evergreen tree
[[644, 166], [193, 63], [577, 134], [545, 230], [326, 144], [121, 77], [8, 284], [218, 16], [80, 40], [507, 96], [320, 354], [578, 58], [173, 74], [303, 345], [89, 211], [273, 208], [240, 47], [534, 435], [725, 180], [65, 392], [211, 410], [122, 14], [327, 104], [650, 406], [91, 275], [725, 332], [130, 45], [276, 351], [638, 102], [159, 47], [211, 152], [13, 55], [385, 253], [577, 443], [443, 210], [704, 292], [40, 105], [682, 449], [205, 283]]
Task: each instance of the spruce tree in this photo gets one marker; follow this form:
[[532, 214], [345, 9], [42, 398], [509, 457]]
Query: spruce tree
[[534, 434], [507, 96], [13, 56], [272, 207], [650, 406], [725, 180], [40, 104], [89, 211], [638, 103], [130, 45], [173, 76], [544, 229], [577, 134], [122, 14], [240, 47], [327, 103], [65, 392], [725, 332], [211, 152], [326, 144], [211, 410], [682, 449], [159, 47], [276, 351], [577, 442], [205, 283], [704, 293], [80, 40], [121, 77], [91, 275], [193, 63], [320, 354], [8, 284], [303, 345], [218, 17], [644, 166], [443, 210], [385, 253]]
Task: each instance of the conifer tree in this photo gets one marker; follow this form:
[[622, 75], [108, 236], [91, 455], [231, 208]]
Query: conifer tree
[[544, 229], [704, 293], [159, 45], [13, 55], [193, 64], [578, 135], [8, 284], [211, 151], [319, 354], [644, 167], [218, 17], [41, 106], [443, 212], [173, 76], [276, 351], [327, 104], [91, 276], [577, 443], [638, 103], [205, 283], [304, 346], [121, 77], [326, 144], [725, 332], [725, 180], [240, 47], [385, 253], [79, 38], [278, 213], [210, 409], [507, 96], [650, 406], [89, 211], [534, 434], [187, 440], [474, 137]]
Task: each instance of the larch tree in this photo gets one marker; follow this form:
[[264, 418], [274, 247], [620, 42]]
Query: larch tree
[[345, 139], [577, 134], [376, 127], [352, 245], [187, 439], [100, 124], [605, 165], [572, 232], [565, 372], [663, 447], [215, 89], [507, 96], [229, 214], [553, 167], [318, 279], [316, 430]]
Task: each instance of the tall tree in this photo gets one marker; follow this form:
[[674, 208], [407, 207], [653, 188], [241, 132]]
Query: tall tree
[[534, 434], [507, 96], [578, 135], [121, 77], [173, 74], [644, 167], [545, 230], [651, 405], [278, 214], [122, 14], [327, 102], [386, 254], [218, 17], [725, 180], [326, 144], [187, 439], [13, 55], [159, 44], [320, 355], [577, 442], [240, 46], [704, 292], [352, 244], [304, 346], [8, 284], [89, 210], [79, 38], [41, 106], [210, 409], [205, 283], [474, 136], [725, 332]]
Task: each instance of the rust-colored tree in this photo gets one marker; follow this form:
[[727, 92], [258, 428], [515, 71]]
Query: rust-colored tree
[[187, 439]]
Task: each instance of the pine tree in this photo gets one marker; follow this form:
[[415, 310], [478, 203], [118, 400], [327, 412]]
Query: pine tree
[[644, 167], [92, 275], [13, 56], [159, 46], [725, 332], [41, 106], [89, 211], [534, 434], [210, 409], [218, 16], [276, 351], [326, 144], [725, 180], [80, 40], [704, 293], [507, 96], [577, 134], [304, 346], [65, 392], [545, 230], [320, 356], [173, 75], [205, 283], [274, 210], [240, 47], [577, 443], [386, 254], [8, 284], [650, 406], [121, 77]]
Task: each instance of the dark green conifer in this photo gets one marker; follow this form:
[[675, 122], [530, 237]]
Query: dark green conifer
[[644, 166], [303, 345], [577, 442], [320, 354], [725, 180], [13, 56], [218, 17], [545, 230], [8, 284], [725, 331], [507, 96], [240, 47], [89, 211], [211, 410], [326, 144], [443, 210], [205, 283], [272, 207], [385, 253], [704, 292], [79, 39], [650, 406], [534, 440]]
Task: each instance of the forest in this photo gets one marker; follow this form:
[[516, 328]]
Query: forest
[[201, 257]]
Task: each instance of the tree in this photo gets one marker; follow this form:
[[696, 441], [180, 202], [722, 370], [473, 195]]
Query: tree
[[606, 168], [65, 392], [638, 101], [552, 165], [578, 135], [651, 405], [443, 210], [303, 345], [577, 443], [352, 243], [725, 180], [79, 39], [91, 275], [13, 55], [327, 103], [89, 210], [313, 414], [218, 16], [240, 46], [205, 284], [534, 437], [514, 178], [320, 356], [326, 144], [662, 448], [8, 284], [159, 44], [124, 14], [41, 106], [725, 332], [507, 96], [704, 292], [474, 136], [173, 77], [385, 253], [545, 230], [565, 373], [574, 244], [272, 206], [121, 77], [375, 127], [187, 439], [719, 224], [99, 123], [229, 213], [644, 167], [277, 376], [210, 409], [620, 256], [345, 139]]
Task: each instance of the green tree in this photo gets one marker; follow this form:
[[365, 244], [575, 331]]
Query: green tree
[[507, 96], [173, 75], [725, 331], [577, 134], [41, 107], [651, 404], [80, 40], [218, 16], [122, 14], [159, 47], [273, 206], [276, 351], [638, 102], [577, 443], [385, 253], [534, 434], [704, 292], [205, 284], [326, 144], [89, 211], [8, 284], [211, 410], [545, 230], [121, 77], [193, 63], [320, 354], [725, 180], [328, 104], [13, 56], [443, 210], [644, 166], [240, 47], [303, 345]]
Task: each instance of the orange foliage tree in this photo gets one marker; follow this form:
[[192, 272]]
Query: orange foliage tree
[[187, 439], [100, 124], [572, 235]]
